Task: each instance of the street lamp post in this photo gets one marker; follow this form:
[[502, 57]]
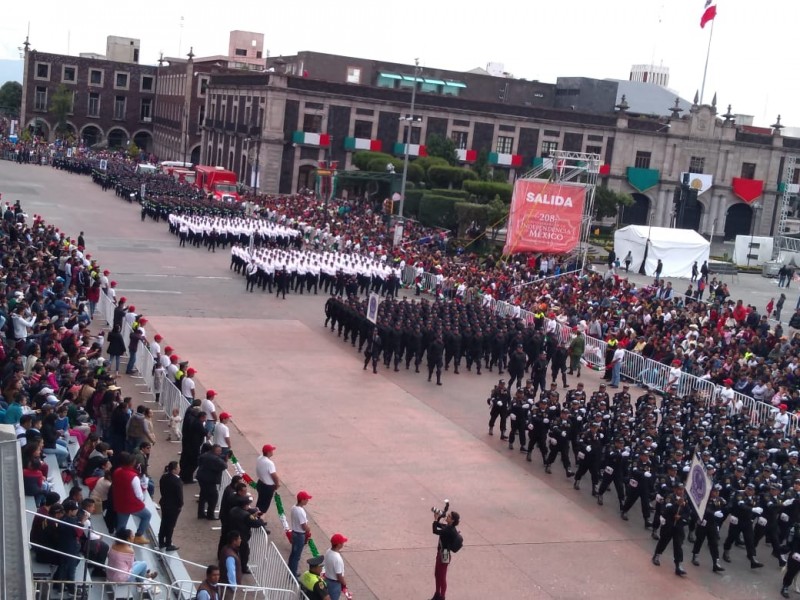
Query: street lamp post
[[417, 71]]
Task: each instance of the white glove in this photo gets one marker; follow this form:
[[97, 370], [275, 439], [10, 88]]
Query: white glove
[[703, 523], [499, 403], [633, 483], [654, 445], [719, 514], [551, 441], [581, 456], [761, 521], [513, 417], [526, 406], [758, 510], [686, 469], [662, 520], [772, 450], [588, 448], [788, 502], [648, 474], [659, 497], [609, 470], [530, 427], [626, 454], [734, 520], [601, 436], [546, 421], [563, 434], [784, 517]]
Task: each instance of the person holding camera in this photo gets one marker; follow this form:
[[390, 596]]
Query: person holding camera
[[449, 541]]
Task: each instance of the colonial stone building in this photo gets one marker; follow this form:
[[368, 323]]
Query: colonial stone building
[[318, 107]]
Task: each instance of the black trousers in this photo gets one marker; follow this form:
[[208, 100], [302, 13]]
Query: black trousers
[[708, 532], [169, 518], [265, 493], [208, 500], [562, 447], [634, 494], [674, 534], [792, 569], [619, 485], [746, 529]]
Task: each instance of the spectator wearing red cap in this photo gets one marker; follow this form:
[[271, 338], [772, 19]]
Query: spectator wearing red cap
[[135, 339], [130, 316], [187, 384], [172, 367], [222, 433], [268, 480], [208, 407], [155, 347], [334, 567], [301, 532], [782, 418], [727, 394]]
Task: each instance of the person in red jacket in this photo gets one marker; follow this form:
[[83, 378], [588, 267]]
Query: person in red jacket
[[127, 492]]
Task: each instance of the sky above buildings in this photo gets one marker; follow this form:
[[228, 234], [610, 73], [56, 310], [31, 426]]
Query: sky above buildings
[[750, 66]]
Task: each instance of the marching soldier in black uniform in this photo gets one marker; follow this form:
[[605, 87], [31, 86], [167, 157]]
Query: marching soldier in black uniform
[[538, 426], [793, 565], [743, 509], [676, 516], [435, 351], [615, 462], [588, 457], [539, 372], [516, 366], [518, 413], [373, 351], [708, 528], [640, 483], [558, 363], [499, 401], [560, 431]]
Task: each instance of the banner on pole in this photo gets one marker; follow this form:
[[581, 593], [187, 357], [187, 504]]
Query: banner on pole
[[372, 307], [545, 217], [699, 484]]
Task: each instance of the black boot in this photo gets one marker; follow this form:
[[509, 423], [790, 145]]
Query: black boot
[[600, 499], [726, 556], [528, 457], [656, 560], [754, 564], [576, 485], [547, 469], [695, 562], [679, 570], [785, 591], [717, 568]]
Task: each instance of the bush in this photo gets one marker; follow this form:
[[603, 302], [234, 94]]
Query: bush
[[469, 212], [458, 194], [362, 160], [426, 162], [487, 190], [378, 164], [411, 205], [438, 211], [446, 176]]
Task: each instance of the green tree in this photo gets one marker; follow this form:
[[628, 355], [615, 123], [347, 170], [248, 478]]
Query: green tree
[[61, 106], [607, 202], [485, 190], [471, 217], [11, 97], [442, 147], [133, 151], [481, 166], [497, 215]]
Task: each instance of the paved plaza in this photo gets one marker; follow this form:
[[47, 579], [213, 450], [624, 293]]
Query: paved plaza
[[375, 451]]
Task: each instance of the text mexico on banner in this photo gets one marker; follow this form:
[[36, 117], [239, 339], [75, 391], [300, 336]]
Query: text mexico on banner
[[544, 217]]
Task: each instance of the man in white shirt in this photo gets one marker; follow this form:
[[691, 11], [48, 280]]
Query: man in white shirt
[[222, 434], [187, 385], [334, 567], [268, 480], [616, 366], [208, 407], [300, 530]]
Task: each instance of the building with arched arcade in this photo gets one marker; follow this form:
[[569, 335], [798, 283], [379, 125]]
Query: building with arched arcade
[[316, 107]]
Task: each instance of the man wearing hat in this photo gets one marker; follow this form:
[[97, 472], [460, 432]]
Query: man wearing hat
[[676, 513], [311, 581], [222, 434], [301, 532], [334, 567], [187, 384], [267, 476], [744, 508], [498, 403]]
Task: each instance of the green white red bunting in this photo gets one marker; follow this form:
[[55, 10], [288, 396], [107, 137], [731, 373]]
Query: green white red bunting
[[467, 155], [353, 143], [305, 138], [505, 160], [413, 149]]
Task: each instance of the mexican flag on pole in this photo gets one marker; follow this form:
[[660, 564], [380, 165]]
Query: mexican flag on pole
[[709, 12]]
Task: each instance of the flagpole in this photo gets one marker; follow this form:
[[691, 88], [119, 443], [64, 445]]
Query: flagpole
[[708, 54]]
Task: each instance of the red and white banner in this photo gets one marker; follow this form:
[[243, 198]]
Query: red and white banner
[[545, 217]]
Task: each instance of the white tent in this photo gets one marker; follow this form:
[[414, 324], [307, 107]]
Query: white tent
[[677, 249]]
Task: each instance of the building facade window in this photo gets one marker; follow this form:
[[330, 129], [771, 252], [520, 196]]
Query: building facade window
[[312, 123], [42, 71], [505, 144], [93, 109], [642, 159], [119, 108], [69, 74], [748, 170], [549, 148], [96, 76], [697, 164], [147, 83], [362, 129], [40, 98], [120, 81], [202, 86], [353, 75], [146, 110], [460, 139], [594, 150]]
